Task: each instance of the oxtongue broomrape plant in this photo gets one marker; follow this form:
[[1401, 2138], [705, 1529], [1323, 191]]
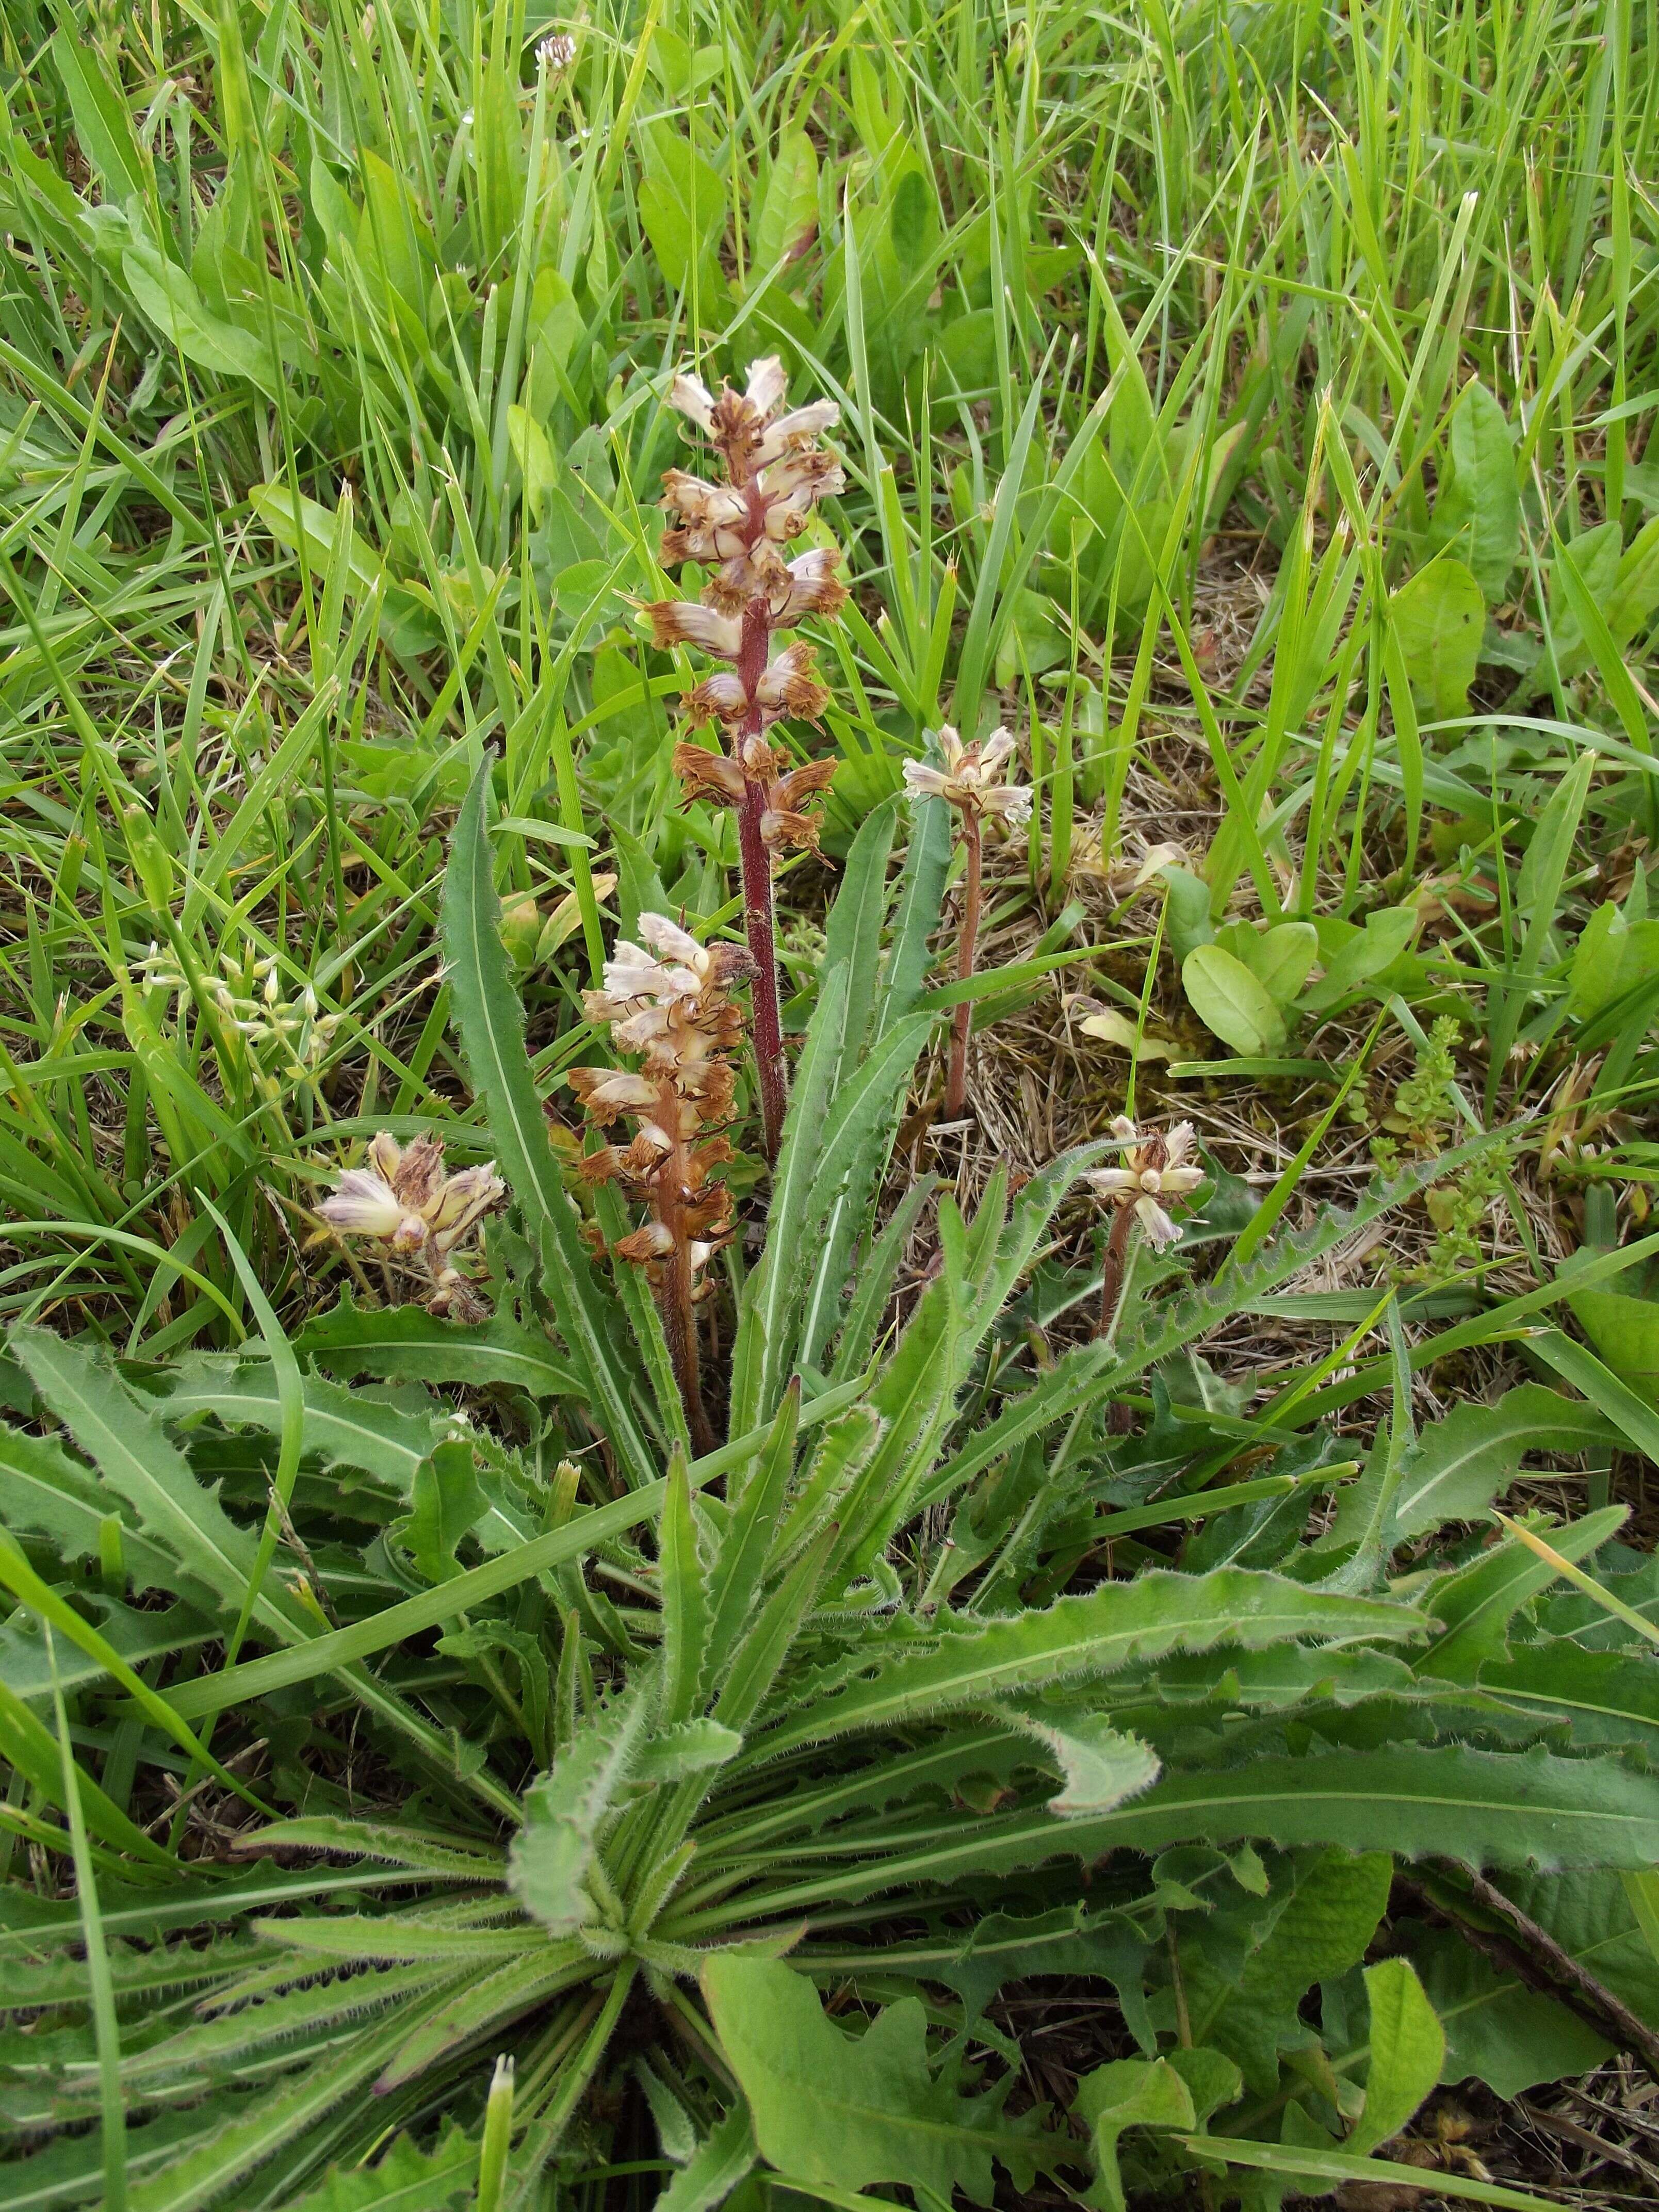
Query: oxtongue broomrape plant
[[970, 779], [672, 1004], [776, 474]]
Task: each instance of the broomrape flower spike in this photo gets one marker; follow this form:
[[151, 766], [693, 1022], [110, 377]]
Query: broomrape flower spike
[[1154, 1167], [405, 1202], [969, 778], [668, 1001], [776, 475]]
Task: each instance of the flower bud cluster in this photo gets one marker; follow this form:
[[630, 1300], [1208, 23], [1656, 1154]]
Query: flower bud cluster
[[669, 1002], [404, 1201], [776, 473]]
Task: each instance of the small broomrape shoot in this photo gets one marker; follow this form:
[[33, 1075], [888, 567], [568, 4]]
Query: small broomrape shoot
[[405, 1200], [1155, 1167], [776, 475], [670, 1004], [971, 780]]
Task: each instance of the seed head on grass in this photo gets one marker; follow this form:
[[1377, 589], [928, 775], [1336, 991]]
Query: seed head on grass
[[776, 475], [971, 779], [669, 1001]]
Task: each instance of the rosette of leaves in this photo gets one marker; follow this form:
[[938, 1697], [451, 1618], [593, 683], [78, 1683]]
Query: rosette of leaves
[[357, 1743]]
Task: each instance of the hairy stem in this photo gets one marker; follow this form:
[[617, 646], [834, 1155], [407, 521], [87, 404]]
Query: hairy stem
[[956, 1085], [1111, 1281]]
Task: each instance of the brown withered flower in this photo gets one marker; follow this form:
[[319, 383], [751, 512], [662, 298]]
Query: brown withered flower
[[776, 474], [669, 1002], [405, 1200]]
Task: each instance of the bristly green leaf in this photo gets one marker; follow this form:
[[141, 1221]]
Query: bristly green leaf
[[492, 1022], [406, 1343], [1079, 1639], [565, 1811], [685, 1605], [214, 1556]]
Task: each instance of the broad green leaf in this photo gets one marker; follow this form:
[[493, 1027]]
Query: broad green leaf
[[1475, 1603], [1635, 595], [1497, 2029], [1478, 1807], [830, 2109], [1279, 958], [682, 205], [788, 211], [1128, 2093], [715, 2167], [1363, 955], [1478, 511], [1439, 616], [447, 1501], [1508, 2034], [44, 1492], [1602, 1697], [172, 303], [342, 1428], [1624, 1330], [1466, 1460], [1229, 1000], [1408, 2049], [103, 124], [1312, 1927], [534, 455]]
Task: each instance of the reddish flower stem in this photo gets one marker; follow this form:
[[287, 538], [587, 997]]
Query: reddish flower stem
[[955, 1085], [756, 859], [1111, 1281]]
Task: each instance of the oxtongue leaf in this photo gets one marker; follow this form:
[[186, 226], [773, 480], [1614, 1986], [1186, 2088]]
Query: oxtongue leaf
[[843, 2112]]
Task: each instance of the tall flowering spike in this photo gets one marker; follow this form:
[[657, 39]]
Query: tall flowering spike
[[776, 475], [405, 1200], [970, 779], [669, 1002], [1155, 1166]]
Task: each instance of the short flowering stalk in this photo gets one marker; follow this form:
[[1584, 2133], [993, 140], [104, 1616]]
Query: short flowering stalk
[[669, 1001], [1154, 1167], [969, 779], [404, 1201], [775, 475]]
